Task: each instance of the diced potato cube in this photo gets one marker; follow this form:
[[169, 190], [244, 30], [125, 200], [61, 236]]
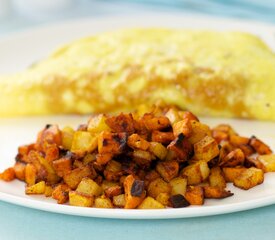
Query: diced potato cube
[[158, 186], [61, 193], [184, 127], [113, 191], [119, 200], [235, 158], [268, 162], [163, 198], [19, 170], [249, 178], [103, 202], [107, 184], [134, 192], [178, 185], [155, 123], [206, 149], [168, 169], [196, 173], [162, 137], [121, 123], [194, 195], [48, 191], [74, 177], [38, 188], [67, 137], [89, 187], [259, 146], [231, 173], [90, 157], [199, 131], [216, 178], [62, 166], [84, 142], [113, 166], [150, 203], [30, 174], [137, 142], [113, 143], [80, 199], [8, 174], [158, 150], [97, 124], [216, 192], [172, 115]]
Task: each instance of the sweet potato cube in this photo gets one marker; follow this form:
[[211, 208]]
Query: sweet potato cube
[[38, 188], [150, 203], [206, 149], [89, 187], [61, 193], [113, 143], [268, 162], [237, 140], [8, 174], [216, 178], [62, 166], [216, 192], [80, 199], [121, 123], [168, 169], [30, 174], [74, 177], [194, 195], [152, 122], [84, 142], [196, 173], [134, 192], [97, 124], [249, 178], [199, 131], [162, 137]]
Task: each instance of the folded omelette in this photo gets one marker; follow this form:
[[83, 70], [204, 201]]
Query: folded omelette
[[225, 74]]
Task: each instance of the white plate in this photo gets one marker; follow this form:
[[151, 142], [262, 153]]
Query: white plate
[[35, 44]]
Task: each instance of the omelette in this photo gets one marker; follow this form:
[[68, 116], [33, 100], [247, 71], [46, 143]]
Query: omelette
[[224, 74]]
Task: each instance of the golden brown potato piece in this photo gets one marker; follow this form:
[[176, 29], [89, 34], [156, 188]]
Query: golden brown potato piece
[[30, 174], [162, 137], [196, 173], [158, 150], [84, 142], [74, 177], [97, 124], [38, 188], [216, 178], [199, 131], [178, 185], [89, 187], [80, 199], [206, 149], [158, 186], [249, 178], [163, 198], [48, 191], [168, 169], [216, 192], [260, 147], [235, 158], [113, 143], [231, 173], [103, 202], [237, 140], [134, 192], [184, 127], [150, 203], [19, 170], [268, 162], [119, 201], [152, 122], [194, 195], [136, 142]]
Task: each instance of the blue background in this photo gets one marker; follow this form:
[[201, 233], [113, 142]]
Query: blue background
[[23, 223]]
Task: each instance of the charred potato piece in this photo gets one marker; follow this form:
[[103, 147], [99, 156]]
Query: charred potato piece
[[113, 143], [121, 123]]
